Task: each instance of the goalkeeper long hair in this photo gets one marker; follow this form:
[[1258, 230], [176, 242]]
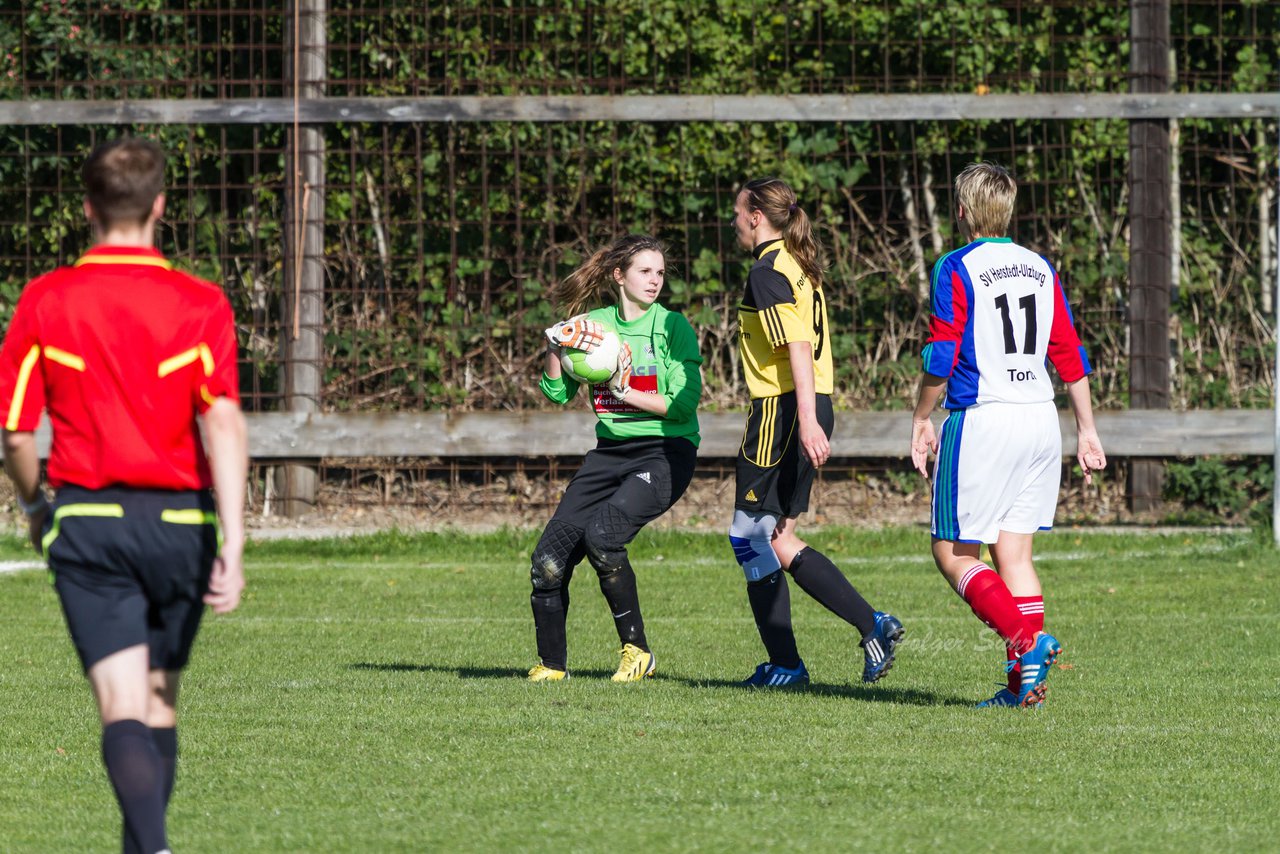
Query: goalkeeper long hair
[[593, 283], [774, 198]]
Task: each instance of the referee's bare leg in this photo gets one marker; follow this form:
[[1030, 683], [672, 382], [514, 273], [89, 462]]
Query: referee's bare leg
[[139, 743]]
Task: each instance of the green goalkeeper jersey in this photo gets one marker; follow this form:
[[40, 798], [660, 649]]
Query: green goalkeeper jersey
[[664, 360]]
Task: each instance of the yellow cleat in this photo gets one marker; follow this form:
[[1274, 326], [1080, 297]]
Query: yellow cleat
[[540, 673], [636, 664]]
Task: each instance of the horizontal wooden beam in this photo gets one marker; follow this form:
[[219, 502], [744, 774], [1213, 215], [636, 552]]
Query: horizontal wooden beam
[[643, 108], [282, 435], [1133, 433]]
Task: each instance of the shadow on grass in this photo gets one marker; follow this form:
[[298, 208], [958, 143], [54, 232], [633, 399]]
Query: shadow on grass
[[905, 696], [467, 672]]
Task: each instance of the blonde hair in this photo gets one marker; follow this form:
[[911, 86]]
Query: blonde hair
[[774, 198], [593, 282], [987, 193]]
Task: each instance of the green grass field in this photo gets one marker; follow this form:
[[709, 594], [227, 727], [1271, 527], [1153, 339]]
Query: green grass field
[[369, 696]]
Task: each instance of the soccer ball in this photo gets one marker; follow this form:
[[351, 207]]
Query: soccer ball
[[595, 367]]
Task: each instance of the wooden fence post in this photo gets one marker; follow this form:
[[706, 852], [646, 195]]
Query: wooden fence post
[[302, 332], [1150, 237]]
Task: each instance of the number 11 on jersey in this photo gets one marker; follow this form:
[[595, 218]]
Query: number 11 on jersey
[[1028, 306]]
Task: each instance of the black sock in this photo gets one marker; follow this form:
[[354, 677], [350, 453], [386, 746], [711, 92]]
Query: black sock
[[166, 739], [771, 605], [550, 612], [619, 589], [820, 578], [134, 768]]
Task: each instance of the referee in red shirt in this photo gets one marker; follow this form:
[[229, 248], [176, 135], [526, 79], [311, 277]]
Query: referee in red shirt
[[127, 355]]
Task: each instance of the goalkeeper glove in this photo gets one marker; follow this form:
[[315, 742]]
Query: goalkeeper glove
[[577, 333], [620, 384]]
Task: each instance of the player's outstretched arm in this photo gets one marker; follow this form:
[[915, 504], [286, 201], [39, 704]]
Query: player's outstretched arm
[[924, 440], [1089, 453], [228, 446]]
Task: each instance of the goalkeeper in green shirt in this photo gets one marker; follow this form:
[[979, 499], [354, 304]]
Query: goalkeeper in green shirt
[[647, 443]]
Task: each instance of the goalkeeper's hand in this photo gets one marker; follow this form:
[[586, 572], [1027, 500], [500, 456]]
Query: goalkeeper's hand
[[577, 333], [620, 385]]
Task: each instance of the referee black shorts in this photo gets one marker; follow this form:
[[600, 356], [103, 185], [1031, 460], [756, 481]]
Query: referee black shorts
[[131, 566], [773, 475]]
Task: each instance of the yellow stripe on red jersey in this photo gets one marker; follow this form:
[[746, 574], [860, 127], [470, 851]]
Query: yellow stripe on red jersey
[[781, 306]]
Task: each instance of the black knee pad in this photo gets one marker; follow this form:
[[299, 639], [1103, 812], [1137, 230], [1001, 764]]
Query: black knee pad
[[606, 539], [555, 555]]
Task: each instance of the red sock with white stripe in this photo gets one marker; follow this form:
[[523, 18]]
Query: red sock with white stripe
[[990, 599], [1032, 607]]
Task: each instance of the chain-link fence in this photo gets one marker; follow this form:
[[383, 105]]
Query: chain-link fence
[[440, 239]]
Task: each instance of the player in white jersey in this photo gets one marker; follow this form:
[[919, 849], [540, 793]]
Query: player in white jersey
[[999, 317]]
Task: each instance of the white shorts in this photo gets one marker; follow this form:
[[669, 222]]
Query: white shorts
[[998, 469]]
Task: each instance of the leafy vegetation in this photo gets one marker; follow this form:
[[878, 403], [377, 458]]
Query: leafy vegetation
[[440, 240], [1218, 490]]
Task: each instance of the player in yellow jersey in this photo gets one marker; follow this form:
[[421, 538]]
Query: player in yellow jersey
[[785, 343]]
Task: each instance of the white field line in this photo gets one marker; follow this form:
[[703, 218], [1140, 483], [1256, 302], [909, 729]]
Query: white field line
[[19, 565], [400, 562]]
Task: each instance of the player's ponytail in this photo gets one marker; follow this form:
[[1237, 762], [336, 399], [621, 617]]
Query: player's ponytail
[[580, 289], [592, 283], [775, 199], [803, 246]]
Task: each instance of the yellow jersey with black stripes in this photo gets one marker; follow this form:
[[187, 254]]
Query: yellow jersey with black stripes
[[780, 306]]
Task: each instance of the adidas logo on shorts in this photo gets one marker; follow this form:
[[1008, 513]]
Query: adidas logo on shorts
[[644, 475], [750, 496]]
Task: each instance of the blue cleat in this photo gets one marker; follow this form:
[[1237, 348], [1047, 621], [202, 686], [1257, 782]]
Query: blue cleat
[[1003, 697], [878, 646], [769, 675], [1034, 665]]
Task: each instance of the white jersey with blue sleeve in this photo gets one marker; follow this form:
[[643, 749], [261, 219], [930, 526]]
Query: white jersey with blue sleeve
[[999, 317]]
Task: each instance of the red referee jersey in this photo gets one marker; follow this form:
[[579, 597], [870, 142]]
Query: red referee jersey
[[123, 351]]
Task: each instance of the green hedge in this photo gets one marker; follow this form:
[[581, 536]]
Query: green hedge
[[441, 240]]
